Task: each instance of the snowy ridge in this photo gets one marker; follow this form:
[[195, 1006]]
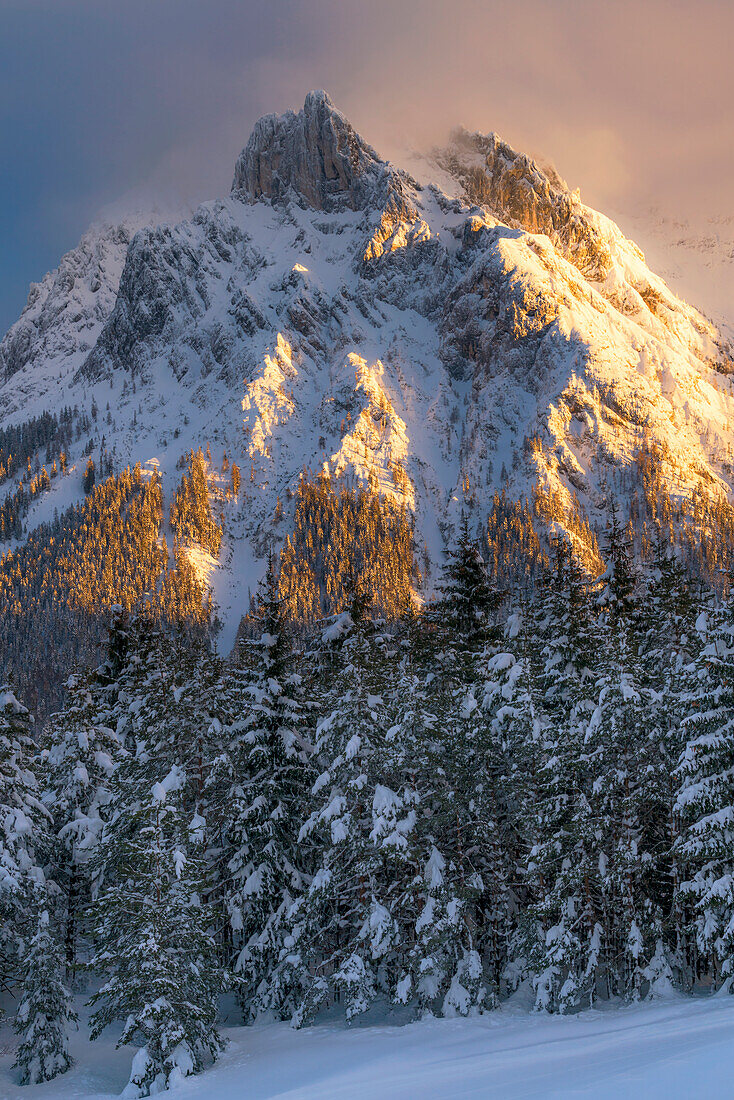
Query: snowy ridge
[[65, 313], [335, 314]]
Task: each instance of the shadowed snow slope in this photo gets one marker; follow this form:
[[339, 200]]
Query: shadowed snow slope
[[334, 313], [674, 1050]]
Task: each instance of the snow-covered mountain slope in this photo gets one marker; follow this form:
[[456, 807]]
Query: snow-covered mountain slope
[[432, 341], [63, 317], [695, 255]]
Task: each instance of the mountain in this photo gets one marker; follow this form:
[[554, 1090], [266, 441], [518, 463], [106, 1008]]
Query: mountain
[[63, 316], [436, 340], [696, 254]]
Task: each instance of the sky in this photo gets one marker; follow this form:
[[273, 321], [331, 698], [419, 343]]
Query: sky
[[107, 106]]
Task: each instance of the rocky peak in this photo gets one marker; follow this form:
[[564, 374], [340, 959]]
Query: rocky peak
[[522, 193], [315, 153]]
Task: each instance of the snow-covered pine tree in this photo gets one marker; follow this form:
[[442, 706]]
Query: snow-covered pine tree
[[398, 812], [342, 935], [29, 953], [462, 931], [154, 941], [25, 838], [468, 599], [564, 931], [194, 735], [203, 706], [153, 929], [669, 645], [622, 752], [263, 782], [705, 798], [513, 709], [80, 750], [118, 652], [44, 1016]]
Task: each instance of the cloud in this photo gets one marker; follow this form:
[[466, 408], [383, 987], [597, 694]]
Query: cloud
[[108, 103]]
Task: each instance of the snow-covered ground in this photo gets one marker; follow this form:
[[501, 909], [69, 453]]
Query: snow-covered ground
[[676, 1049]]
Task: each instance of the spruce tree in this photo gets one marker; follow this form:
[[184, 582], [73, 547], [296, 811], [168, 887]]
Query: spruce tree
[[623, 753], [705, 798], [152, 925], [462, 932], [44, 1015], [155, 946], [341, 932], [80, 752], [513, 709], [564, 930], [25, 839], [669, 646], [263, 782], [467, 596]]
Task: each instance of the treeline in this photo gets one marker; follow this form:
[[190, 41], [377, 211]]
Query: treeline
[[346, 538], [699, 523], [54, 589], [491, 792], [23, 443], [16, 503], [21, 448]]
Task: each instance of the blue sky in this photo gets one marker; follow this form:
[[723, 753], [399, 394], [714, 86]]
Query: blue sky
[[121, 104], [124, 104]]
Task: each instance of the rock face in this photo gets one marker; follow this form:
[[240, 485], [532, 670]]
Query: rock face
[[315, 154], [66, 310], [330, 313], [521, 193], [515, 188], [170, 274]]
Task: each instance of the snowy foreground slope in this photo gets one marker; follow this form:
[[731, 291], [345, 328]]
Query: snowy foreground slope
[[673, 1050], [435, 339]]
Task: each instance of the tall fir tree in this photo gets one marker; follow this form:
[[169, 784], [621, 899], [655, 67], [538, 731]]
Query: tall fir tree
[[669, 647], [705, 798], [80, 751], [462, 932], [468, 599], [45, 1015], [624, 751], [342, 934], [564, 929], [263, 782], [153, 934], [25, 837], [153, 929]]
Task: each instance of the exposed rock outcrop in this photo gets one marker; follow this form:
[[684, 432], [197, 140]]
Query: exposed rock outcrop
[[66, 310], [518, 190], [315, 154], [521, 193]]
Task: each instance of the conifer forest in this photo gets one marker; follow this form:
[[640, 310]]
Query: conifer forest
[[372, 800], [366, 554]]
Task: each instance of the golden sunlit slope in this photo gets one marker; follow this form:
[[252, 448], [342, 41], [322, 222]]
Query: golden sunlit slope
[[436, 341]]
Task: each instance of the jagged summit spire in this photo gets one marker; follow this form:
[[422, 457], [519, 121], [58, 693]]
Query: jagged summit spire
[[316, 153]]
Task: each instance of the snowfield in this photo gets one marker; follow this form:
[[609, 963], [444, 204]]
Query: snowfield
[[678, 1048]]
